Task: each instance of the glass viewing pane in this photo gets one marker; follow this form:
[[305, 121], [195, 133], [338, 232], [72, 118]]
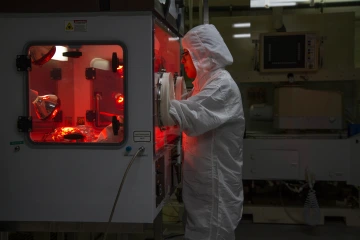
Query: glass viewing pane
[[76, 94]]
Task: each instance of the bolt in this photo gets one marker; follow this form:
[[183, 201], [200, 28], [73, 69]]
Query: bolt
[[17, 148]]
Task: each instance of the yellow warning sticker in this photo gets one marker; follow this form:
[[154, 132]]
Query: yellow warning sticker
[[69, 27], [76, 26]]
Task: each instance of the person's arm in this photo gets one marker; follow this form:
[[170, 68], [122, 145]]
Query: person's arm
[[202, 112]]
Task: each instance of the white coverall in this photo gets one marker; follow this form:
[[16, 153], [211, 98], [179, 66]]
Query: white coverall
[[212, 120]]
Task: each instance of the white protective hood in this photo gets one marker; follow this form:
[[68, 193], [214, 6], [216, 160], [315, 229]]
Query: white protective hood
[[208, 52], [213, 124]]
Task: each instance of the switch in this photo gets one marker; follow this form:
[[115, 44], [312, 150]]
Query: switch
[[127, 150]]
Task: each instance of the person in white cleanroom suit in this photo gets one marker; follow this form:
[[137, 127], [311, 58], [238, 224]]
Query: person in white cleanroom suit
[[212, 120]]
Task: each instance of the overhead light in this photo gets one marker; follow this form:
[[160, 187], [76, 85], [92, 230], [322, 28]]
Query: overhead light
[[282, 4], [243, 35], [59, 54], [274, 3], [241, 25], [287, 1]]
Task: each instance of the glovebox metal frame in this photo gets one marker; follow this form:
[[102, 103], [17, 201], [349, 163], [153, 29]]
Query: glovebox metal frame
[[73, 188]]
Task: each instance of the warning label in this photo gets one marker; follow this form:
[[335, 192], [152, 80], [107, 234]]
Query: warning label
[[141, 136], [69, 27], [76, 26]]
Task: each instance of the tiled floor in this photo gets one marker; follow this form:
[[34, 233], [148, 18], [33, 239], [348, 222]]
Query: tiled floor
[[250, 231], [332, 230], [296, 232]]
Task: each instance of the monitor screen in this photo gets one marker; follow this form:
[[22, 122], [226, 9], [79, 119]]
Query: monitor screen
[[282, 52]]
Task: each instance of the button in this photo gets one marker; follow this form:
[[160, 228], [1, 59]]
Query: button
[[128, 148]]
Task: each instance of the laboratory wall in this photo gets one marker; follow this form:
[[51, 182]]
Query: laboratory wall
[[355, 10], [337, 73], [287, 11], [337, 29]]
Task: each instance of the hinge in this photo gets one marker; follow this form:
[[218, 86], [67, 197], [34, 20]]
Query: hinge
[[24, 124], [23, 63], [90, 73], [115, 125]]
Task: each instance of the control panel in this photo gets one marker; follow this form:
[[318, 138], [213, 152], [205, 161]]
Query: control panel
[[311, 51], [289, 52]]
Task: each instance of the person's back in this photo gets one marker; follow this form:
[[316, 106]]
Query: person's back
[[213, 123]]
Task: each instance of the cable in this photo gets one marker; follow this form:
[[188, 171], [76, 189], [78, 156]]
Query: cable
[[286, 210], [312, 214], [311, 211], [295, 189], [140, 150]]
